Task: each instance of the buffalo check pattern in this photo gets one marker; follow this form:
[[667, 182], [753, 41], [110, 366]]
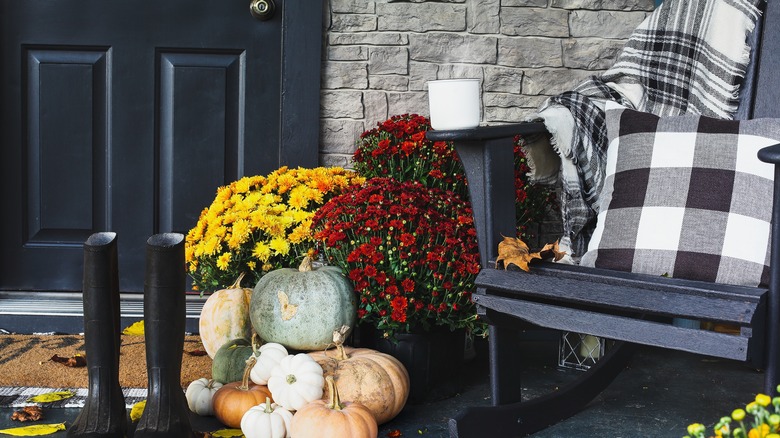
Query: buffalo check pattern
[[685, 196]]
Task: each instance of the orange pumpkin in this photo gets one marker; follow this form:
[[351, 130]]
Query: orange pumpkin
[[376, 380], [334, 418], [225, 317], [234, 399]]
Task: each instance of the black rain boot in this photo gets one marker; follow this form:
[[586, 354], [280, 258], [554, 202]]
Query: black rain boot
[[166, 413], [104, 413]]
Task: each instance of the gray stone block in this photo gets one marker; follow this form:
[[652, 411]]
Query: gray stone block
[[483, 16], [507, 100], [591, 53], [443, 47], [368, 39], [552, 82], [423, 17], [375, 107], [503, 80], [420, 73], [348, 53], [525, 3], [339, 136], [529, 52], [604, 24], [384, 60], [460, 71], [352, 6], [388, 82], [534, 22], [353, 22], [597, 5], [345, 75], [336, 160], [341, 104], [410, 102]]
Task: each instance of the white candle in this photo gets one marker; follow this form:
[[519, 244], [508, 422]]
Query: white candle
[[454, 103]]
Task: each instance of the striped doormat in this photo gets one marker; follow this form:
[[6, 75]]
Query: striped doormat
[[17, 397]]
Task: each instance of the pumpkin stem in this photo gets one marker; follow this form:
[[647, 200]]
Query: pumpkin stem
[[255, 341], [210, 384], [334, 402], [306, 265], [339, 337], [237, 284], [291, 379], [268, 409], [250, 363]]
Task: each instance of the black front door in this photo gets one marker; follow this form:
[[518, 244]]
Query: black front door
[[127, 115]]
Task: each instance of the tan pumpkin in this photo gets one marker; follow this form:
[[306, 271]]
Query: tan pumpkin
[[376, 380], [334, 418], [234, 399], [225, 316]]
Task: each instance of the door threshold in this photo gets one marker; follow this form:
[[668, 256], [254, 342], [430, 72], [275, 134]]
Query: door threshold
[[63, 312]]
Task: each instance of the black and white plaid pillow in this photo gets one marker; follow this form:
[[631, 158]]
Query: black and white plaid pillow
[[685, 196]]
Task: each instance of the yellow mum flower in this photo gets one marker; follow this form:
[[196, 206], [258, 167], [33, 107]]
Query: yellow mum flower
[[738, 415], [280, 245], [223, 262], [261, 251], [254, 221]]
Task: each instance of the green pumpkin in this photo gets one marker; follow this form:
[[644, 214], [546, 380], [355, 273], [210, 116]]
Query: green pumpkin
[[301, 308], [230, 360]]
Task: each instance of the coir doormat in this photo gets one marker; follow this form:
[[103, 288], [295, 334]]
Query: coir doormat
[[25, 362]]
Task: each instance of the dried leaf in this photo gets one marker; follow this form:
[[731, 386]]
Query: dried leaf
[[197, 352], [34, 430], [137, 410], [513, 251], [394, 433], [50, 397], [552, 251], [77, 361], [227, 433], [135, 329], [28, 413]]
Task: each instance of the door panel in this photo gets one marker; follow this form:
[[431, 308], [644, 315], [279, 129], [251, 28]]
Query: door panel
[[126, 116]]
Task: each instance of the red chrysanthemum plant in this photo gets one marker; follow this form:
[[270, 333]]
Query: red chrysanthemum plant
[[410, 250]]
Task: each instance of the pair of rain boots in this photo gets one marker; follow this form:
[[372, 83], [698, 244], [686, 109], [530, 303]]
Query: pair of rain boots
[[105, 414]]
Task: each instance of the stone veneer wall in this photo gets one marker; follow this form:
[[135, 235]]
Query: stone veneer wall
[[378, 56]]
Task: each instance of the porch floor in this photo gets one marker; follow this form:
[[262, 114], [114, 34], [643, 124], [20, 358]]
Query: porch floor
[[658, 395]]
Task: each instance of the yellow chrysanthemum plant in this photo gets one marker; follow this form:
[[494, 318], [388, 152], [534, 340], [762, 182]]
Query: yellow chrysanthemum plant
[[765, 413], [260, 223]]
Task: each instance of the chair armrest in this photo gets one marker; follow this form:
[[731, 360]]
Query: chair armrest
[[487, 155], [488, 132]]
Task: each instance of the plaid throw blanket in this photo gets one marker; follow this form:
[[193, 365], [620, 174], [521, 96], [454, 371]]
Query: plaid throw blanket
[[688, 56]]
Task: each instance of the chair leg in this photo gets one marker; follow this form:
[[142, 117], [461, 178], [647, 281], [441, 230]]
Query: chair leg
[[104, 413], [166, 413]]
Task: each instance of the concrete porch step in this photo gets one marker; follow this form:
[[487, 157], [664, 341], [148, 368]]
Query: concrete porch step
[[62, 312]]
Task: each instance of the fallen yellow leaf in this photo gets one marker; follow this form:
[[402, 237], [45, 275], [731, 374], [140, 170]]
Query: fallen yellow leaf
[[51, 397], [135, 329], [137, 410], [227, 433], [34, 430]]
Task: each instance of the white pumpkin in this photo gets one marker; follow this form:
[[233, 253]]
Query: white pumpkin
[[225, 317], [200, 394], [266, 420], [296, 380], [268, 356]]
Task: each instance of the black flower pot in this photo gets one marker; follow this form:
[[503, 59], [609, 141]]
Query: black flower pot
[[433, 359]]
